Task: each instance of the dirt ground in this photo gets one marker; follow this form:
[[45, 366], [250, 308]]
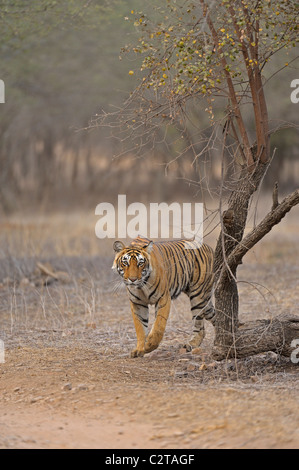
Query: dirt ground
[[67, 380]]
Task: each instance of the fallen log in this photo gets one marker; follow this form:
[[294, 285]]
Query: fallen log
[[255, 337]]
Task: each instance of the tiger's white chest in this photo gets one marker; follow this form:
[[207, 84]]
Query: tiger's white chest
[[146, 294]]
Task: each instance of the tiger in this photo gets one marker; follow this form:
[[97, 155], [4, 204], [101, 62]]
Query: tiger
[[154, 273]]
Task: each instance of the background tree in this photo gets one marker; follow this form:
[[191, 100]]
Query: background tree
[[218, 53], [60, 64]]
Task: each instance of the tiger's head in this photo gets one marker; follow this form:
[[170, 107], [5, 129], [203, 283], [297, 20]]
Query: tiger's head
[[132, 263]]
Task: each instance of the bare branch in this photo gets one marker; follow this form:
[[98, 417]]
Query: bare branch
[[232, 93], [273, 218]]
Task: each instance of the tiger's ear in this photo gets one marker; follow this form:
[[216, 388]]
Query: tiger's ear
[[118, 246], [149, 247]]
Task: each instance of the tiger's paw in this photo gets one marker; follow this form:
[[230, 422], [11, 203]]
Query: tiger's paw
[[137, 353], [187, 346], [195, 341], [152, 343]]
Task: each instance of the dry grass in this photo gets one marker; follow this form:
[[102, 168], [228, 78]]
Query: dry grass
[[80, 330], [92, 297]]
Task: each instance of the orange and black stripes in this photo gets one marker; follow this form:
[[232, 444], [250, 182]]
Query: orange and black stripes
[[155, 273]]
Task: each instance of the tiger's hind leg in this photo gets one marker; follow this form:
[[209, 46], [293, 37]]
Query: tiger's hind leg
[[202, 308], [198, 333]]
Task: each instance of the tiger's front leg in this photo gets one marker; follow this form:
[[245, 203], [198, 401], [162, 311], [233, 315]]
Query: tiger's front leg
[[158, 329], [140, 316]]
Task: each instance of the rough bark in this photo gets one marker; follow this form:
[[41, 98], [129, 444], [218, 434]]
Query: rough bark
[[234, 218], [233, 225], [260, 336]]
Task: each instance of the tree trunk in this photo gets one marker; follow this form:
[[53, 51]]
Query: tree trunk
[[254, 337], [233, 225]]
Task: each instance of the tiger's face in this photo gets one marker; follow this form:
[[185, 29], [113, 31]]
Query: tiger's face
[[132, 264]]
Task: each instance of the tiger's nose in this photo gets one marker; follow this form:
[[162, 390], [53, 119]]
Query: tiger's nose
[[133, 279]]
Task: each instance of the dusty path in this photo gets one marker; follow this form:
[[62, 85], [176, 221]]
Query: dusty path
[[67, 380], [66, 398]]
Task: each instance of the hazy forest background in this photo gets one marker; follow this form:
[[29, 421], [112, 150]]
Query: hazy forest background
[[61, 63]]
